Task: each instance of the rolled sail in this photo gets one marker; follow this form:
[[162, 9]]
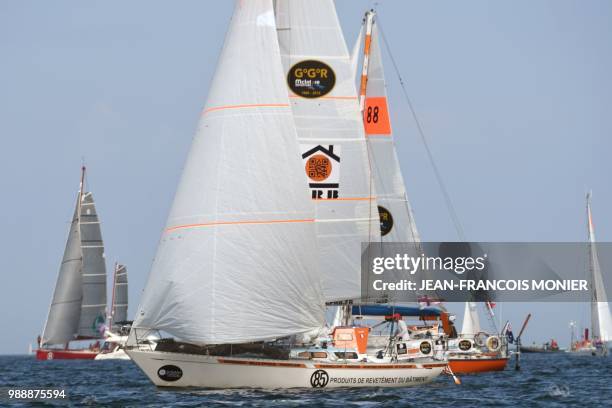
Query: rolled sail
[[63, 319], [237, 260], [396, 217], [93, 306], [319, 76]]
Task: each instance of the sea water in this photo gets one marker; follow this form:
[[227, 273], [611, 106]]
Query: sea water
[[545, 380]]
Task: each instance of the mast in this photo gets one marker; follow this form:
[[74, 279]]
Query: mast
[[81, 187], [369, 20]]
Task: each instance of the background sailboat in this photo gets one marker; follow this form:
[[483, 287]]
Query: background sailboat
[[78, 307], [601, 319], [119, 300], [117, 324]]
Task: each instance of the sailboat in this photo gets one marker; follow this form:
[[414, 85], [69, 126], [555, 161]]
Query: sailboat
[[268, 219], [77, 311], [601, 320], [118, 325]]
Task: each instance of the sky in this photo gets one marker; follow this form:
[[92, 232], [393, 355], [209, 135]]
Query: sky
[[515, 99]]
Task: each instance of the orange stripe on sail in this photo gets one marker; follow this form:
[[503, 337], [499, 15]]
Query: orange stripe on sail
[[213, 224], [251, 105]]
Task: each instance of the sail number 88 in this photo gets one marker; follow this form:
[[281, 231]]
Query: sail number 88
[[372, 114]]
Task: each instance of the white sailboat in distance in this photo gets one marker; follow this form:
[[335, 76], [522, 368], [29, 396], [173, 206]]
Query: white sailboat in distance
[[601, 319], [264, 228]]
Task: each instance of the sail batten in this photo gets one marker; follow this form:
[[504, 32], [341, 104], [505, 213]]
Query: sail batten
[[235, 261]]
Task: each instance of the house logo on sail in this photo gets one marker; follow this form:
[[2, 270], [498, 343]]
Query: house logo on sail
[[322, 167]]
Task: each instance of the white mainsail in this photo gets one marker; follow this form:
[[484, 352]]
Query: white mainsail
[[237, 261], [79, 300], [601, 320], [325, 108]]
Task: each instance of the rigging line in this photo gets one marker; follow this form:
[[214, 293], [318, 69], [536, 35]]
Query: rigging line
[[446, 195]]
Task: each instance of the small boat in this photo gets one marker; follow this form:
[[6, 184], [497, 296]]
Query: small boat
[[475, 351], [265, 229], [549, 347], [601, 319], [75, 323], [118, 326]]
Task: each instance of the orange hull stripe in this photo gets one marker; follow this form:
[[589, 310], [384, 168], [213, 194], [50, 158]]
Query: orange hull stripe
[[212, 224], [463, 366], [252, 105]]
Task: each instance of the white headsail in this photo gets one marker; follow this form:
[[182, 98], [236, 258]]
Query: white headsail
[[324, 102], [237, 261], [63, 320], [601, 320], [396, 217], [119, 306]]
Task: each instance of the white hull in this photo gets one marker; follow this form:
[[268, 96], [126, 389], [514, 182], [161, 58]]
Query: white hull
[[113, 355], [189, 370], [590, 351]]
